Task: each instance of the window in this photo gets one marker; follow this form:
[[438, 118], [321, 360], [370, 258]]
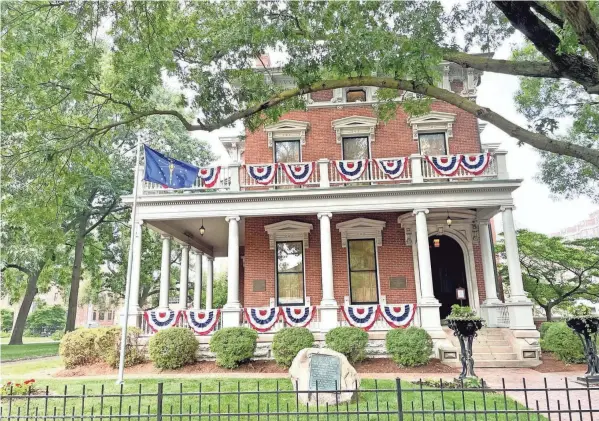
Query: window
[[101, 314], [290, 272], [287, 151], [355, 95], [109, 315], [355, 148], [362, 271], [95, 316], [432, 144]]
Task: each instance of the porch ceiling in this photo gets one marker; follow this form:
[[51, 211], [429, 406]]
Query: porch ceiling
[[214, 242]]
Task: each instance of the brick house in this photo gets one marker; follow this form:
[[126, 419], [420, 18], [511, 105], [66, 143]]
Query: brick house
[[340, 242]]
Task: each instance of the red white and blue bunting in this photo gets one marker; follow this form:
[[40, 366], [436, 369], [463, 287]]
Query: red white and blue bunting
[[263, 174], [161, 319], [475, 163], [209, 176], [398, 315], [262, 319], [351, 170], [392, 168], [361, 316], [298, 316], [446, 165], [298, 173], [202, 322]]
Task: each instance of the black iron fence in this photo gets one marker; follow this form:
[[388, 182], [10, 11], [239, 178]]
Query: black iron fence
[[384, 400]]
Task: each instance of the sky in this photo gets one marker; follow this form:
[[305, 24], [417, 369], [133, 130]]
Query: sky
[[536, 209]]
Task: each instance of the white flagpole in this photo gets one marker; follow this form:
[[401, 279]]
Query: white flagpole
[[120, 379]]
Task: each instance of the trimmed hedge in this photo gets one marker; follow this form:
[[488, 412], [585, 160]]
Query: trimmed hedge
[[409, 347], [545, 327], [563, 342], [173, 348], [233, 346], [288, 342], [108, 346], [78, 347], [349, 341]]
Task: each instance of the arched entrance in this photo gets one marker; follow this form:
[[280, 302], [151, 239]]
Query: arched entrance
[[449, 272]]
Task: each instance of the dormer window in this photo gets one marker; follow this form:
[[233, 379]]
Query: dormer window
[[355, 95]]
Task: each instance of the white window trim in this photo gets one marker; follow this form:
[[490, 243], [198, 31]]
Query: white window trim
[[288, 231], [354, 126], [361, 229], [287, 130], [435, 121]]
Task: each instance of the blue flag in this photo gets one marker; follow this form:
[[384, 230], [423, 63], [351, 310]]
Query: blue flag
[[167, 171]]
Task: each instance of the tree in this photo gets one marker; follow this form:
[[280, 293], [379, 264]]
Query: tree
[[46, 319], [112, 56], [556, 272], [6, 318]]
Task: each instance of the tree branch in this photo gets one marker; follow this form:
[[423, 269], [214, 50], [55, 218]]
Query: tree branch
[[579, 16], [15, 266], [544, 11], [101, 219]]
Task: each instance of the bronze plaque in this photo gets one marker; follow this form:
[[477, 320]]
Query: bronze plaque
[[259, 285], [398, 282]]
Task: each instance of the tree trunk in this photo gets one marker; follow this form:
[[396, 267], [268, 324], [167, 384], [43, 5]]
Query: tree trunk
[[76, 274], [548, 314], [16, 337]]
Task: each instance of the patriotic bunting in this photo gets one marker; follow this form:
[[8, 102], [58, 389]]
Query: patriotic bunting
[[298, 173], [161, 319], [298, 316], [393, 168], [263, 174], [398, 315], [202, 322], [351, 170], [209, 176], [475, 163], [361, 316], [262, 319], [446, 165]]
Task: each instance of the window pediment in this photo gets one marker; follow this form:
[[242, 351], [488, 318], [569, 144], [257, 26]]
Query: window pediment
[[354, 126], [287, 130], [361, 228], [288, 231], [436, 121]]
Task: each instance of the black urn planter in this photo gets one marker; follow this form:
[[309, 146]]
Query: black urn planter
[[586, 328], [465, 329]]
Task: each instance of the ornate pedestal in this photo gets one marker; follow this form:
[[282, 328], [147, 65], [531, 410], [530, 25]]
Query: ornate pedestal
[[586, 328], [465, 330]]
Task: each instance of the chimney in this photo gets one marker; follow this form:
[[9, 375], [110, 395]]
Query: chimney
[[263, 61]]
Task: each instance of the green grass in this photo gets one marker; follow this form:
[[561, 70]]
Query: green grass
[[28, 369], [20, 352], [101, 399], [29, 339]]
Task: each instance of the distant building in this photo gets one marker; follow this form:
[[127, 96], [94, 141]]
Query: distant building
[[588, 228]]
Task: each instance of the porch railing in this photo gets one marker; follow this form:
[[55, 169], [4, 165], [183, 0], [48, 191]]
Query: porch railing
[[234, 177]]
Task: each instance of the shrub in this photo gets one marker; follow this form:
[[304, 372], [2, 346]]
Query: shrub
[[409, 347], [349, 341], [78, 347], [233, 345], [6, 319], [108, 346], [564, 343], [545, 327], [46, 320], [173, 348], [57, 336], [288, 342]]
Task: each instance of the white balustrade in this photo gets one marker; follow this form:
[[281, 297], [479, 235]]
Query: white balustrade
[[223, 183], [503, 319], [280, 179], [372, 174], [429, 173]]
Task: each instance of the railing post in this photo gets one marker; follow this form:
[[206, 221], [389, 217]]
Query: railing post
[[416, 167], [234, 175], [159, 402], [399, 402], [323, 172], [500, 159]]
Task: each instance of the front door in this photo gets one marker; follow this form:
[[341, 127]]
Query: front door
[[449, 273]]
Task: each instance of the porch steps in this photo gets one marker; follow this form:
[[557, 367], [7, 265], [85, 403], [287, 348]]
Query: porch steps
[[491, 349]]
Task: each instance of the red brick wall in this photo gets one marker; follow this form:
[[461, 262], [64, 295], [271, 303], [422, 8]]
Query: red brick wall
[[322, 96], [393, 138], [394, 259]]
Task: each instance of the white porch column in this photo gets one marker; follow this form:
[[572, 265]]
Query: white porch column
[[134, 309], [492, 305], [184, 280], [328, 305], [209, 281], [429, 305], [232, 309], [197, 280], [519, 306], [165, 272]]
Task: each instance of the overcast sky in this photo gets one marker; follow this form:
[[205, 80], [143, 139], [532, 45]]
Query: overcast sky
[[536, 209]]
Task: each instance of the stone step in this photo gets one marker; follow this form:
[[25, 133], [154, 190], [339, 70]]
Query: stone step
[[497, 363], [490, 342], [491, 349], [494, 356]]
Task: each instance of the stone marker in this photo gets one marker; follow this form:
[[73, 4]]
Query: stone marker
[[326, 369]]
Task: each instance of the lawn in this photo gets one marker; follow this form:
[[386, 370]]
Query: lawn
[[20, 352], [29, 339], [30, 368], [238, 400]]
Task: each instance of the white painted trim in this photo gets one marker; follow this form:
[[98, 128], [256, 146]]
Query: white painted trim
[[287, 130], [434, 121], [361, 229], [288, 231], [354, 126]]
